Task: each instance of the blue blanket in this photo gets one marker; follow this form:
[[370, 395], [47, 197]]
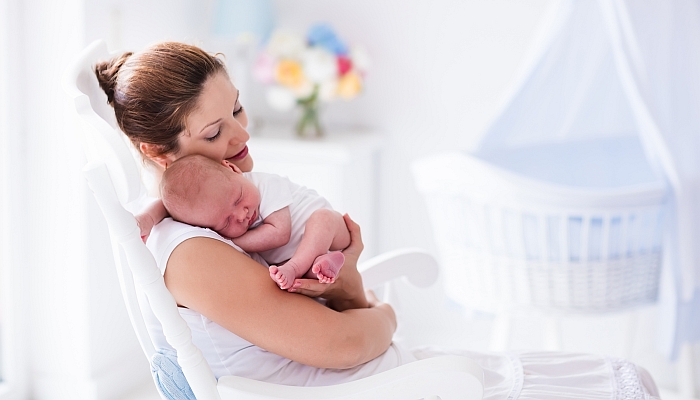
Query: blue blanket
[[168, 376]]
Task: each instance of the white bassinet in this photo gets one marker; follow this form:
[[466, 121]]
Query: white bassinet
[[573, 226], [528, 226]]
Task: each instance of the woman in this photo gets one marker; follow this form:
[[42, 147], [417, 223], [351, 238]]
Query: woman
[[172, 100]]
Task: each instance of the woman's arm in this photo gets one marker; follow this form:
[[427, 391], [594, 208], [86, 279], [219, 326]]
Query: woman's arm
[[236, 292]]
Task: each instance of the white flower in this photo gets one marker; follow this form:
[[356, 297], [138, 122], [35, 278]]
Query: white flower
[[328, 90], [319, 64], [304, 90], [360, 58], [285, 44], [317, 68], [280, 98]]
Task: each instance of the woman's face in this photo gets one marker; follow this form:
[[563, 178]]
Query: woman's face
[[217, 127]]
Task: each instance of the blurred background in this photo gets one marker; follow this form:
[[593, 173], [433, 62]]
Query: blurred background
[[437, 76]]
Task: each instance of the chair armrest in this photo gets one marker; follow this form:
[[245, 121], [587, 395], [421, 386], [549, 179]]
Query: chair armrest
[[417, 265], [449, 377]]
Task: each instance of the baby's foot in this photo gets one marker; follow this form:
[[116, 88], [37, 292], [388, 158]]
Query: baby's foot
[[326, 266], [284, 275]]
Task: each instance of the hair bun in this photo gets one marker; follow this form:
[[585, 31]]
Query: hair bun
[[107, 72]]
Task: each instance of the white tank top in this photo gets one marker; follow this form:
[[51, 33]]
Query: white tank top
[[228, 354]]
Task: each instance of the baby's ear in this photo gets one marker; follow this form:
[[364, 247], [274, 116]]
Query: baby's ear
[[231, 165]]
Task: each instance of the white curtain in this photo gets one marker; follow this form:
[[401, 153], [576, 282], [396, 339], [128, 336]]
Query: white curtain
[[625, 69]]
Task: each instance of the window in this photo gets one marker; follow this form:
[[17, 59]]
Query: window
[[12, 368]]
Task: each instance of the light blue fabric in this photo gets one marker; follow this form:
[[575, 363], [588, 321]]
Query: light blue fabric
[[168, 376], [235, 17]]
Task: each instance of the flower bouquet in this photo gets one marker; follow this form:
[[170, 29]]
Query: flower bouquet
[[307, 71]]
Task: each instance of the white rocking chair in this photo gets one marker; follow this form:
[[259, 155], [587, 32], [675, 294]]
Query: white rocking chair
[[114, 177]]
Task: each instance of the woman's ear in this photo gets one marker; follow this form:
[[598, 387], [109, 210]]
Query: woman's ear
[[231, 165], [155, 154]]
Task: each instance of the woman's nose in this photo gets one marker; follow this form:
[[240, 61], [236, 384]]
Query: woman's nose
[[240, 134]]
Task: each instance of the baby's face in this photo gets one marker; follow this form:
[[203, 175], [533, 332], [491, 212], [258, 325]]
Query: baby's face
[[231, 205]]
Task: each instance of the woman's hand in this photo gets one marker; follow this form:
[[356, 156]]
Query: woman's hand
[[372, 299], [347, 291]]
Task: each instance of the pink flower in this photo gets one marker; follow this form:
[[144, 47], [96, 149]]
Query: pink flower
[[344, 65], [264, 68]]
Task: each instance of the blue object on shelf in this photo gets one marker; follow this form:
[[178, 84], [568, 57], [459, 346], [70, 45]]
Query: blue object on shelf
[[236, 17]]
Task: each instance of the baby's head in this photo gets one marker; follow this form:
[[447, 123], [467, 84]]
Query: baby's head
[[200, 191]]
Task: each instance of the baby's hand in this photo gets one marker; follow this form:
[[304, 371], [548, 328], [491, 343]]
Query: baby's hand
[[145, 223]]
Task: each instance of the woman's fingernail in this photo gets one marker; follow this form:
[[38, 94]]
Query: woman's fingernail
[[296, 285]]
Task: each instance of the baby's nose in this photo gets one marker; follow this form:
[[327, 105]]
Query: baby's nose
[[243, 214]]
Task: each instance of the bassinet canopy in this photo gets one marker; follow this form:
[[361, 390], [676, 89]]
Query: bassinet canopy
[[624, 75]]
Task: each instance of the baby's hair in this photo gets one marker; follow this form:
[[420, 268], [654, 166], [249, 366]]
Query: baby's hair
[[183, 181]]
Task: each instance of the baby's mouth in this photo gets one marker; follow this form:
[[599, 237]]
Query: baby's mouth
[[252, 218]]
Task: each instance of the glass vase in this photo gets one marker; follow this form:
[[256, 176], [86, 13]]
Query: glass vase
[[309, 126]]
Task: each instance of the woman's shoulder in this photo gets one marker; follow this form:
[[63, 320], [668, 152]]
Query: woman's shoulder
[[168, 234]]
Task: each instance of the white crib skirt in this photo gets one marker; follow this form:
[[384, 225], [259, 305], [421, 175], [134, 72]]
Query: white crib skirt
[[555, 376]]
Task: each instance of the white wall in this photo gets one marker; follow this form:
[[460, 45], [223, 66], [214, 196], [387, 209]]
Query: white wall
[[439, 70], [132, 24], [13, 304]]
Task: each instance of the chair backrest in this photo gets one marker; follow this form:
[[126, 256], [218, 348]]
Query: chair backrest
[[114, 177], [100, 136]]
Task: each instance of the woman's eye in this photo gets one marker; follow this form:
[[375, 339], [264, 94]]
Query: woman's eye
[[236, 112], [212, 138]]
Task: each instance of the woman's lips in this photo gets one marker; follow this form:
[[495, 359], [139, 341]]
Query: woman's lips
[[241, 154]]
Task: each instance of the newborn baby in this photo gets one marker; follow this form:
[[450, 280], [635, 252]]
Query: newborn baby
[[292, 227]]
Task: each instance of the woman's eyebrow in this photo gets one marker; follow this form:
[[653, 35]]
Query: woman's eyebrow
[[210, 124], [238, 94]]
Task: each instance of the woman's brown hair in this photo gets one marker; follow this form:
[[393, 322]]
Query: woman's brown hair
[[154, 91]]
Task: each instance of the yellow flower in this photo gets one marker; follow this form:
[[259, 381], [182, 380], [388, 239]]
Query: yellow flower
[[289, 73], [349, 85]]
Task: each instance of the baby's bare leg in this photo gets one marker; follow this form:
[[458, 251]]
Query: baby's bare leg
[[325, 230]]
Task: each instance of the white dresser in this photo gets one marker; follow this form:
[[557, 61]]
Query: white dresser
[[342, 166]]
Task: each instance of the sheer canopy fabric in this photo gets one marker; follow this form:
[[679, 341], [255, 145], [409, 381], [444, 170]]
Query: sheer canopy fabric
[[630, 70]]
